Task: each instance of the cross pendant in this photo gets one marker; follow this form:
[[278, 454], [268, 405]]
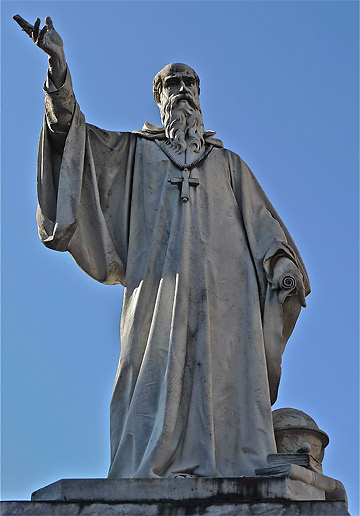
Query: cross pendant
[[185, 182]]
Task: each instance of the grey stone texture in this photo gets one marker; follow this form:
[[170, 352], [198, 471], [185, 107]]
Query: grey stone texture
[[201, 341], [214, 285], [178, 490], [333, 489], [213, 281], [278, 508], [296, 431], [177, 497]]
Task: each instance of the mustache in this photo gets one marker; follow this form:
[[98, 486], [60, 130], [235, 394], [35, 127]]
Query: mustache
[[175, 99]]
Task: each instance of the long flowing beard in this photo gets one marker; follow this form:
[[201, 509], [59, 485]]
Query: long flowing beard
[[183, 124]]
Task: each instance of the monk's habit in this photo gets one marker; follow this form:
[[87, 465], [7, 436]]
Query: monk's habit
[[202, 331]]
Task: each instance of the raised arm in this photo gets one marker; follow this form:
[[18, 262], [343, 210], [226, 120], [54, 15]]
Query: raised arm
[[60, 99]]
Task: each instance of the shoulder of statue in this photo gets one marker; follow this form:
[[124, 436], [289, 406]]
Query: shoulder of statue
[[156, 132], [151, 132], [213, 141]]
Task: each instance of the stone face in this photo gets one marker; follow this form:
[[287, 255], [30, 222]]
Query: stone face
[[313, 508]]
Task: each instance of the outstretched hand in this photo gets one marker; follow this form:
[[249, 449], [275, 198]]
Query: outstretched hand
[[47, 38], [50, 42]]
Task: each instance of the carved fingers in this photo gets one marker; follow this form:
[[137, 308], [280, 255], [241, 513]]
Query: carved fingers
[[41, 36], [31, 30], [47, 38], [49, 23], [49, 30], [35, 32], [26, 26]]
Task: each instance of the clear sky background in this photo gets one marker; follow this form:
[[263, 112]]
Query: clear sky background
[[279, 84]]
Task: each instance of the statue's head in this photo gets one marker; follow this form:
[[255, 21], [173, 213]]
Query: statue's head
[[176, 91], [173, 76]]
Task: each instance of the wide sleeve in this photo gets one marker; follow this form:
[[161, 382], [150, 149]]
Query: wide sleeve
[[268, 239], [84, 196]]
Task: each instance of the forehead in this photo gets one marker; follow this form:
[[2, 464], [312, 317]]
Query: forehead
[[178, 75], [186, 72], [178, 71]]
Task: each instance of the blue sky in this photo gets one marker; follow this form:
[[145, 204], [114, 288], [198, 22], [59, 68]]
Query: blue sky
[[279, 84]]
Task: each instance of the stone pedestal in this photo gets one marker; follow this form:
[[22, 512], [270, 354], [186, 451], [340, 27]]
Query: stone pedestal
[[279, 508], [258, 496]]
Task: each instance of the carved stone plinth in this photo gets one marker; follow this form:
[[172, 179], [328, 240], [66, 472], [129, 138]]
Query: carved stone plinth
[[279, 508], [177, 490], [250, 496]]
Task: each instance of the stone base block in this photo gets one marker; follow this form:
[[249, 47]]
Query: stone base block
[[152, 490], [247, 496], [279, 508]]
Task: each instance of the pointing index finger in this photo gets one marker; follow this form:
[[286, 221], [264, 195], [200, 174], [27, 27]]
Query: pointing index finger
[[26, 26]]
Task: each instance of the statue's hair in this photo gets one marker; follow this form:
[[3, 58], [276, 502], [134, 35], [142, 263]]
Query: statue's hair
[[168, 70]]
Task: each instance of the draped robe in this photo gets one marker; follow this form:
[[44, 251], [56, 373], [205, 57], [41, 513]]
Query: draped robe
[[202, 331]]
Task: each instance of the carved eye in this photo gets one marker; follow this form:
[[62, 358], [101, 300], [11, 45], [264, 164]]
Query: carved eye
[[189, 81], [173, 81]]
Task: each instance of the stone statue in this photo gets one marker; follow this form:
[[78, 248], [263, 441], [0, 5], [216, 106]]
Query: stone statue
[[213, 281]]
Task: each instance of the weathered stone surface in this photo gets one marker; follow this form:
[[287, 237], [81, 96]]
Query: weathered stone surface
[[301, 459], [214, 286], [312, 508], [214, 282], [178, 490], [296, 431], [334, 489]]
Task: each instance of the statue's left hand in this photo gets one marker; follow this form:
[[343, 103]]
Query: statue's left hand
[[284, 266]]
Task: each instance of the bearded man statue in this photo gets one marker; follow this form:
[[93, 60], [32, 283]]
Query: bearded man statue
[[213, 281], [181, 115]]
